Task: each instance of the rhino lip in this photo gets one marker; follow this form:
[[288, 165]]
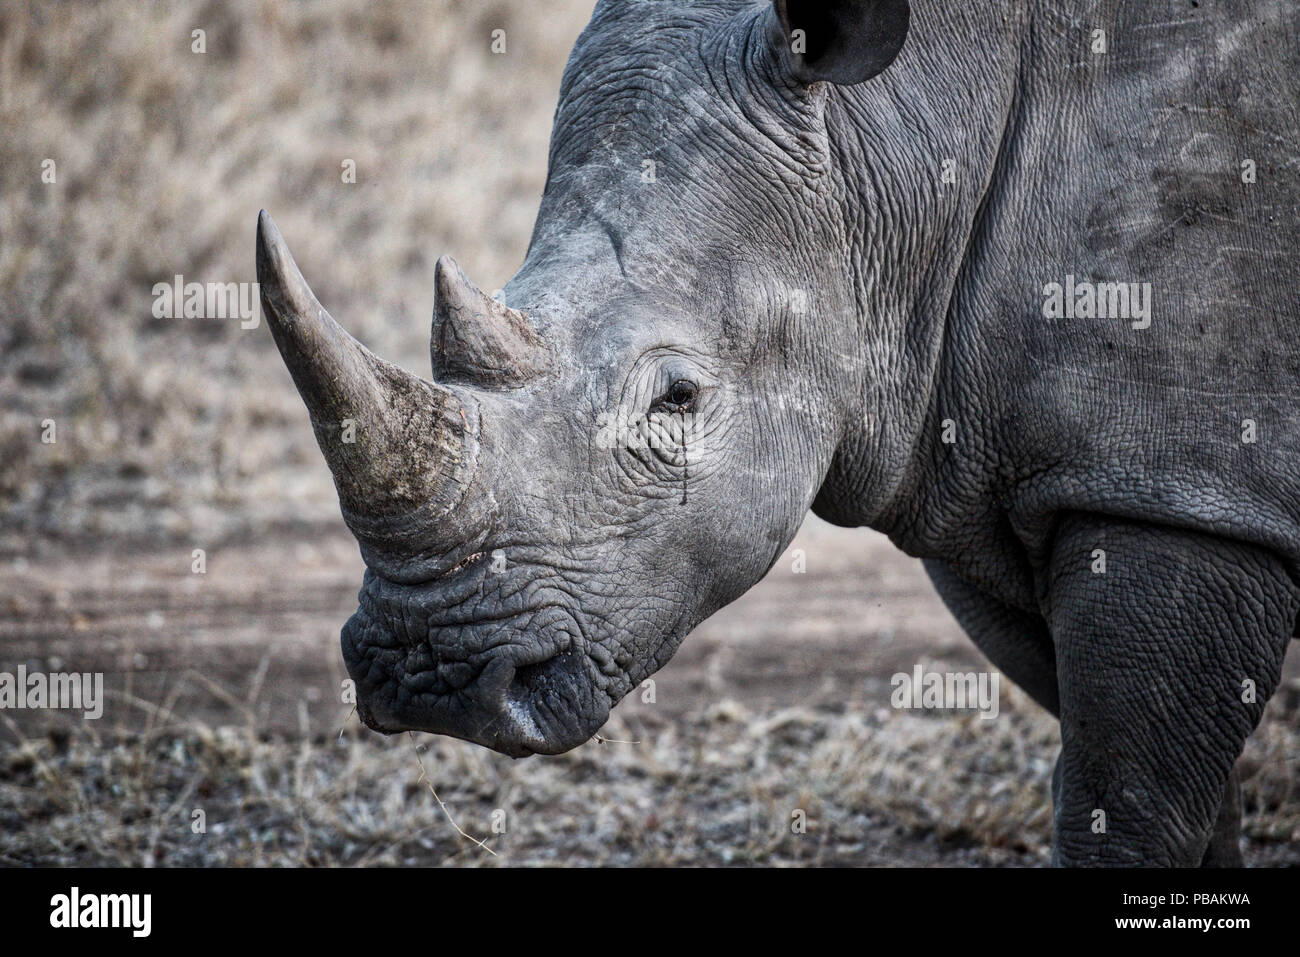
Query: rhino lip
[[508, 691], [505, 687], [527, 697], [370, 721], [514, 686]]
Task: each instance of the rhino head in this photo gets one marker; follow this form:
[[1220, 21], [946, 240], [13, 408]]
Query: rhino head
[[630, 437]]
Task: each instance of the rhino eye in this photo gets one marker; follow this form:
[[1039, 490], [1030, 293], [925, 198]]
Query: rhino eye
[[680, 397]]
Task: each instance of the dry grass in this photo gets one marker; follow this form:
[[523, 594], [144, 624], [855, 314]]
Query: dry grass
[[720, 786], [163, 157]]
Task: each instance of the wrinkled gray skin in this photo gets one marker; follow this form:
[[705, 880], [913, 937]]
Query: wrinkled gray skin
[[799, 262]]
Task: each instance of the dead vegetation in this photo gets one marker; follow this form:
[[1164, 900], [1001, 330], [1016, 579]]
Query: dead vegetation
[[721, 786], [162, 158]]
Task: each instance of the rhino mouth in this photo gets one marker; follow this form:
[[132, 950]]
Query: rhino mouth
[[516, 681]]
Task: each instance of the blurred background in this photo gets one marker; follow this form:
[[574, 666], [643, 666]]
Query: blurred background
[[163, 157], [128, 157]]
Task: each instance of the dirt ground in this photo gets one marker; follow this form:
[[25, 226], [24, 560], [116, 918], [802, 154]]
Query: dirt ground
[[224, 696], [130, 157]]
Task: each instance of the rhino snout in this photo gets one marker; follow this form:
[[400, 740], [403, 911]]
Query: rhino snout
[[529, 690]]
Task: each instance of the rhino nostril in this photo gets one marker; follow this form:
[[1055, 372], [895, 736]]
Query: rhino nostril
[[531, 680], [538, 689]]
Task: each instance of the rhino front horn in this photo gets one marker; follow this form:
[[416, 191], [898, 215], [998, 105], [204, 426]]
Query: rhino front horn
[[478, 340], [401, 449]]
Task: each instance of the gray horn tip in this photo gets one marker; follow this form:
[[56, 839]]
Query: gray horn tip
[[285, 293]]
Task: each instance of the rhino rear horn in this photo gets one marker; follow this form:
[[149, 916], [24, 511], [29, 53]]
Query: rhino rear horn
[[401, 449], [479, 340], [839, 41]]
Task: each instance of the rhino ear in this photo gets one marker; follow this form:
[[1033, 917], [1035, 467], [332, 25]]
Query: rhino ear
[[839, 41]]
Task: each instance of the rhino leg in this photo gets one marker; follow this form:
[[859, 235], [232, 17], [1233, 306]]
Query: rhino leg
[[1165, 660], [1020, 646], [1224, 849], [1015, 641]]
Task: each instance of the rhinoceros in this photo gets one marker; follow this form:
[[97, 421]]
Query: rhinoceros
[[1011, 281]]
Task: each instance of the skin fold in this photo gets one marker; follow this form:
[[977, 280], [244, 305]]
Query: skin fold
[[794, 256]]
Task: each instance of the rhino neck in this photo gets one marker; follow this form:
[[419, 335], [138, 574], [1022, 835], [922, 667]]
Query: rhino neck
[[918, 147]]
